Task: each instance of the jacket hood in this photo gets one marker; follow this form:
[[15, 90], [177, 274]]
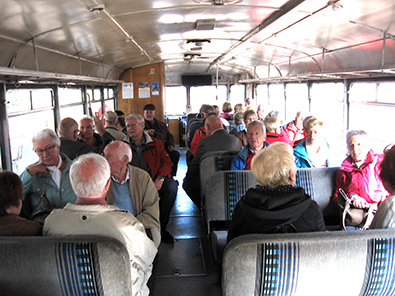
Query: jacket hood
[[265, 208]]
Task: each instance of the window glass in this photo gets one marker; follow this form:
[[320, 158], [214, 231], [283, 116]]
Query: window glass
[[386, 91], [69, 96], [327, 103], [262, 97], [363, 92], [175, 100], [236, 94], [96, 94], [276, 100], [76, 112], [18, 100], [42, 98], [207, 95], [22, 130], [297, 100]]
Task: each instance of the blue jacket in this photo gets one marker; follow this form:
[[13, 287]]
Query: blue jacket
[[46, 185], [240, 161], [302, 158]]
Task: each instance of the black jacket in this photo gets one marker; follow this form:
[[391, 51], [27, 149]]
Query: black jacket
[[282, 209]]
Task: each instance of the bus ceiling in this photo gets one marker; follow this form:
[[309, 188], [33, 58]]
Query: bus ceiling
[[95, 41]]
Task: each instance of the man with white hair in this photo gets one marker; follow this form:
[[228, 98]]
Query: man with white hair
[[90, 215], [132, 189]]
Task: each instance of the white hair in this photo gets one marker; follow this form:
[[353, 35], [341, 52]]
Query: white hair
[[89, 175], [46, 134]]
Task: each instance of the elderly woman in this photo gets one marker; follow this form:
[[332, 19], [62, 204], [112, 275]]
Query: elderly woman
[[314, 151], [49, 177], [275, 205], [227, 110], [10, 208], [385, 216], [358, 175]]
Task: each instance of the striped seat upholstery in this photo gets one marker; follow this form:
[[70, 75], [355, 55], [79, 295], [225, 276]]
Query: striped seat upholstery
[[65, 266], [360, 263]]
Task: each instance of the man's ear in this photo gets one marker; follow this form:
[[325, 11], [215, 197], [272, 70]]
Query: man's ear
[[107, 185]]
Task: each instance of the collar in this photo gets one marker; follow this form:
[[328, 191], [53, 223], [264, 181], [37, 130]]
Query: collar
[[126, 177], [90, 201]]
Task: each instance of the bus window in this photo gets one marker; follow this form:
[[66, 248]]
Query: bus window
[[262, 97], [175, 100], [236, 94], [297, 100], [371, 109], [25, 118], [70, 100], [276, 100], [207, 95], [327, 103]]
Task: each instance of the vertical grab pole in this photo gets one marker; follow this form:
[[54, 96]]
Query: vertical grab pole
[[5, 144]]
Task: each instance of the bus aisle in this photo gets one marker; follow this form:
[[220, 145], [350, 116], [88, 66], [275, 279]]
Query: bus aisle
[[185, 267]]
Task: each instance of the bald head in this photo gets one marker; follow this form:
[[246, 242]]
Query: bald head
[[213, 122], [68, 128], [118, 150]]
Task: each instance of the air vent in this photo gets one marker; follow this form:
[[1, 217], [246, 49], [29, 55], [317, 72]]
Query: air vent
[[207, 24]]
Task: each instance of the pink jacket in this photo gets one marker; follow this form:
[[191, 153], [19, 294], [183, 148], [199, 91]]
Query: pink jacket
[[364, 181]]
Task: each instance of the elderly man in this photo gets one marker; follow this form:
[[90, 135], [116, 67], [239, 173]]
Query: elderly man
[[132, 189], [48, 179], [217, 140], [150, 155], [256, 136], [111, 125], [68, 134], [87, 132], [153, 125], [90, 215], [249, 115]]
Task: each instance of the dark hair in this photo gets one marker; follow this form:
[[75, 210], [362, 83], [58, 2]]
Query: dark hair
[[149, 107], [119, 112], [11, 190], [387, 167]]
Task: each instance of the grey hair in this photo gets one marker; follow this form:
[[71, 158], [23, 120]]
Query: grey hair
[[257, 123], [140, 119], [352, 133], [89, 174], [120, 149], [45, 134]]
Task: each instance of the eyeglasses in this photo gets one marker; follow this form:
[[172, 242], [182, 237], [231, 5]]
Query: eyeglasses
[[133, 125], [48, 150]]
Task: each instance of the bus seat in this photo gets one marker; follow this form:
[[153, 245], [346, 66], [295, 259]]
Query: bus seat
[[69, 265], [319, 263], [320, 183], [214, 161]]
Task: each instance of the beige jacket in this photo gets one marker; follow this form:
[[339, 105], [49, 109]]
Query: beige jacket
[[145, 200], [109, 221]]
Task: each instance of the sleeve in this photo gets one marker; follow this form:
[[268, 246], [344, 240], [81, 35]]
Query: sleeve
[[165, 162], [236, 164], [27, 181], [195, 142], [340, 178]]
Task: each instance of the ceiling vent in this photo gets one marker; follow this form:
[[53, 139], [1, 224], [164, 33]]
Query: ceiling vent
[[207, 24]]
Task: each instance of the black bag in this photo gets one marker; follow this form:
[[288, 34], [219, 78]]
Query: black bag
[[39, 213], [352, 216]]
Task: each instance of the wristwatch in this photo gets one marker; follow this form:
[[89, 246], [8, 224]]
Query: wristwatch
[[161, 178]]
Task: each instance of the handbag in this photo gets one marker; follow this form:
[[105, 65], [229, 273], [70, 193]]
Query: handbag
[[39, 213], [352, 216]]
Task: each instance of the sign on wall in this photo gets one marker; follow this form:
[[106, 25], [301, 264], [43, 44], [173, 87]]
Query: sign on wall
[[127, 90]]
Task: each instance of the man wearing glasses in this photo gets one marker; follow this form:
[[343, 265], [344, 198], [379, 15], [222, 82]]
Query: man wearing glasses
[[46, 183]]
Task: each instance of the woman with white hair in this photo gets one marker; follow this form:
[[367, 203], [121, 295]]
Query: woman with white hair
[[275, 205]]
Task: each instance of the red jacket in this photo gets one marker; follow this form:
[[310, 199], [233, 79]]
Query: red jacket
[[273, 137], [199, 135], [295, 134], [156, 157], [364, 181]]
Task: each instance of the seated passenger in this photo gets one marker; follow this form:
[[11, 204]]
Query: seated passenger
[[204, 111], [249, 116], [260, 113], [132, 189], [273, 131], [358, 175], [238, 118], [275, 205], [238, 108], [217, 140], [10, 208], [227, 111], [256, 136], [314, 151], [90, 215], [385, 215], [111, 125], [47, 181], [87, 132]]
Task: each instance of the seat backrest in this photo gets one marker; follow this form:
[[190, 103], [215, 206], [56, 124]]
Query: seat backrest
[[223, 190], [320, 263], [214, 161], [70, 265], [319, 183]]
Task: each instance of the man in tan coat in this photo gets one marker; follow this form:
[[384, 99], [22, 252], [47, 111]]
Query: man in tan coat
[[132, 189]]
